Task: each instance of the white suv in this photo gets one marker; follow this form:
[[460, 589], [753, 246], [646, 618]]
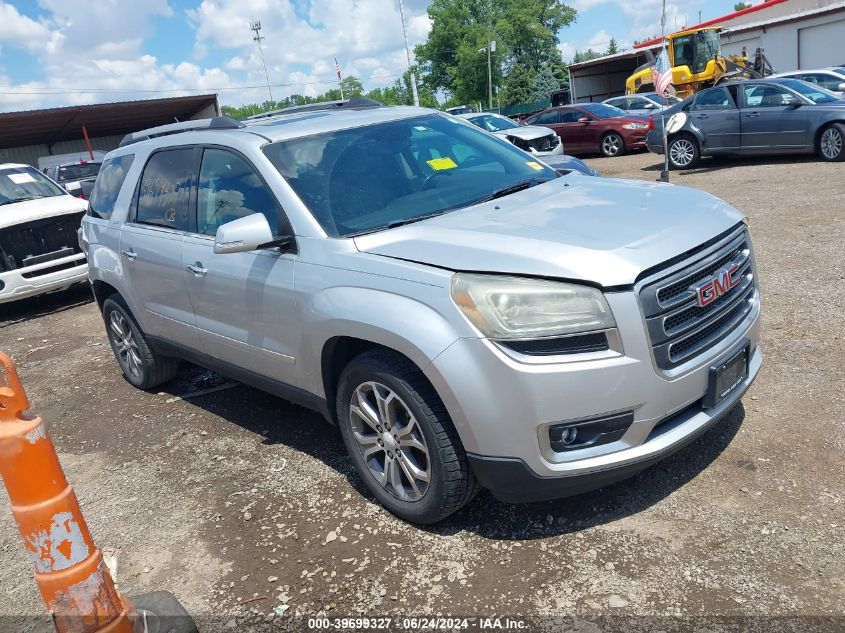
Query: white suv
[[39, 250]]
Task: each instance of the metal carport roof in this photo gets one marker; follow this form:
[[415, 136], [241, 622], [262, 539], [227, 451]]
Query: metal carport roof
[[52, 125]]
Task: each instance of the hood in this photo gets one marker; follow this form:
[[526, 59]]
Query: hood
[[597, 230], [526, 132], [40, 208]]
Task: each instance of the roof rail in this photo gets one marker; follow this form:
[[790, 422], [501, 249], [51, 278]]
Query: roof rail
[[215, 123], [356, 103]]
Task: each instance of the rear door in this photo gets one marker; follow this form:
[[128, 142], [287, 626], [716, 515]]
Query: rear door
[[715, 115], [151, 246], [244, 302], [769, 122]]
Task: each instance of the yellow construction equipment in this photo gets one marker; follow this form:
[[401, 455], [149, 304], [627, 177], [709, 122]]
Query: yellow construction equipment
[[695, 56]]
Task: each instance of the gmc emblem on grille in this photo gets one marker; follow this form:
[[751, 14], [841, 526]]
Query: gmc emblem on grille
[[716, 286]]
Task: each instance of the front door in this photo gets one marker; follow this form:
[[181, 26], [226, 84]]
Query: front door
[[577, 135], [244, 302], [770, 122], [151, 247], [716, 116]]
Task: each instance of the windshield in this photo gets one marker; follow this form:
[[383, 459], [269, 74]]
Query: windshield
[[25, 183], [493, 122], [814, 93], [602, 110], [370, 178], [78, 172]]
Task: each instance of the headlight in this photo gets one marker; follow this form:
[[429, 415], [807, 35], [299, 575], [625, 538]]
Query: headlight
[[517, 307], [635, 126]]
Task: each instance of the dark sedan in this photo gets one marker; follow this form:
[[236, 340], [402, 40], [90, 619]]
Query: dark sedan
[[752, 117], [589, 128]]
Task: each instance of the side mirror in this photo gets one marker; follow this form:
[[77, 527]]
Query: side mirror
[[791, 101], [651, 106], [243, 235], [583, 119]]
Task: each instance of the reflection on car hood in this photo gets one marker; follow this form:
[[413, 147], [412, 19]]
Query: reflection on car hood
[[604, 231], [28, 210], [526, 132]]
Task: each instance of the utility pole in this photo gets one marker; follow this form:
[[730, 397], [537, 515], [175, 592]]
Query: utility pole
[[490, 47], [255, 25], [408, 53]]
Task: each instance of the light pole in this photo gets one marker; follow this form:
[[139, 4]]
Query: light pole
[[490, 48], [255, 25], [408, 53]]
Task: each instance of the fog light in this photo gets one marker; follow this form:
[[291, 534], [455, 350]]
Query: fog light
[[570, 436]]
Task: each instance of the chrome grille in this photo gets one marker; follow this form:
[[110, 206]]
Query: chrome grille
[[678, 327]]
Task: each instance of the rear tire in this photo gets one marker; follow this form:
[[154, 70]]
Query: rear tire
[[683, 152], [612, 144], [400, 438], [831, 143], [141, 366]]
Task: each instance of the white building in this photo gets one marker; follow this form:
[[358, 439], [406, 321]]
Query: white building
[[792, 33]]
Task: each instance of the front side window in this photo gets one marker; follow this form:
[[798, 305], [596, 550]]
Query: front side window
[[19, 184], [229, 189], [714, 99], [109, 181], [378, 176], [164, 195], [766, 96], [571, 116], [549, 117]]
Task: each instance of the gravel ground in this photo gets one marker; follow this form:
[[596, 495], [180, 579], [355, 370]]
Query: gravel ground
[[239, 495]]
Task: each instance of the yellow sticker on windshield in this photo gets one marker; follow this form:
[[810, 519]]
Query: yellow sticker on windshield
[[534, 165], [441, 163]]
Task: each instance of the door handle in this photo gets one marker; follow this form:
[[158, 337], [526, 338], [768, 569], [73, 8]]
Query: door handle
[[129, 254], [197, 269], [752, 115], [700, 116]]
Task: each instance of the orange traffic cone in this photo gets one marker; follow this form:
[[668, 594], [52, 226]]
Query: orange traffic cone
[[71, 575]]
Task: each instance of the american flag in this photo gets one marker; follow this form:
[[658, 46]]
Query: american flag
[[337, 69], [661, 73]]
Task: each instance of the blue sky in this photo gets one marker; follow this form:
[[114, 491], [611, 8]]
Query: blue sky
[[65, 52]]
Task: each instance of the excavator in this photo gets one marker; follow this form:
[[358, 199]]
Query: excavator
[[695, 56]]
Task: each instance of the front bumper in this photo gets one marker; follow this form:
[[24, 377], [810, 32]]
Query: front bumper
[[40, 280], [503, 405]]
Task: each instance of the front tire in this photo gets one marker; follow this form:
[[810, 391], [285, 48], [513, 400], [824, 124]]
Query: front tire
[[831, 145], [612, 144], [141, 366], [683, 152], [400, 438]]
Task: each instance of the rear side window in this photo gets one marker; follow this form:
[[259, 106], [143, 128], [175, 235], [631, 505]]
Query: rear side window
[[714, 99], [546, 118], [164, 196], [109, 181]]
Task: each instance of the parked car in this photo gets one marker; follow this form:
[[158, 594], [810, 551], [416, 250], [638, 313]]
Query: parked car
[[589, 128], [532, 138], [643, 103], [465, 315], [77, 178], [459, 109], [564, 164], [753, 117], [832, 78], [39, 251]]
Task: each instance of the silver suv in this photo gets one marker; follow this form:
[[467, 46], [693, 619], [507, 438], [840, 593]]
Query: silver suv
[[466, 316]]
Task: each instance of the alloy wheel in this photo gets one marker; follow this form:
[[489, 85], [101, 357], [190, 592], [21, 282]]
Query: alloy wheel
[[682, 152], [390, 441], [831, 143], [611, 144], [125, 345]]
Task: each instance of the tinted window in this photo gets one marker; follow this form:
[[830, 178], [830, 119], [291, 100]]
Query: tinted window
[[602, 110], [618, 102], [714, 99], [571, 116], [18, 184], [368, 178], [109, 181], [230, 189], [757, 96], [77, 172], [638, 104], [164, 196], [546, 118]]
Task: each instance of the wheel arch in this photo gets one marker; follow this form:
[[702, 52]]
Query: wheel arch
[[817, 136]]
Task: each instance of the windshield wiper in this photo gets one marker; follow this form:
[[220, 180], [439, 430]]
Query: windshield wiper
[[395, 223], [506, 191]]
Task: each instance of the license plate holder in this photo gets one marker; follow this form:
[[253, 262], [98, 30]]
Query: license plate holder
[[727, 375]]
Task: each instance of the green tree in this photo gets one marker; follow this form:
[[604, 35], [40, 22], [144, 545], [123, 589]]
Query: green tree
[[586, 56], [612, 47], [519, 85], [739, 6], [352, 87], [545, 83]]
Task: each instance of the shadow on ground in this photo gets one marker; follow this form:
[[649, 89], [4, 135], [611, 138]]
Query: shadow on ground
[[309, 432], [35, 307], [718, 163]]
